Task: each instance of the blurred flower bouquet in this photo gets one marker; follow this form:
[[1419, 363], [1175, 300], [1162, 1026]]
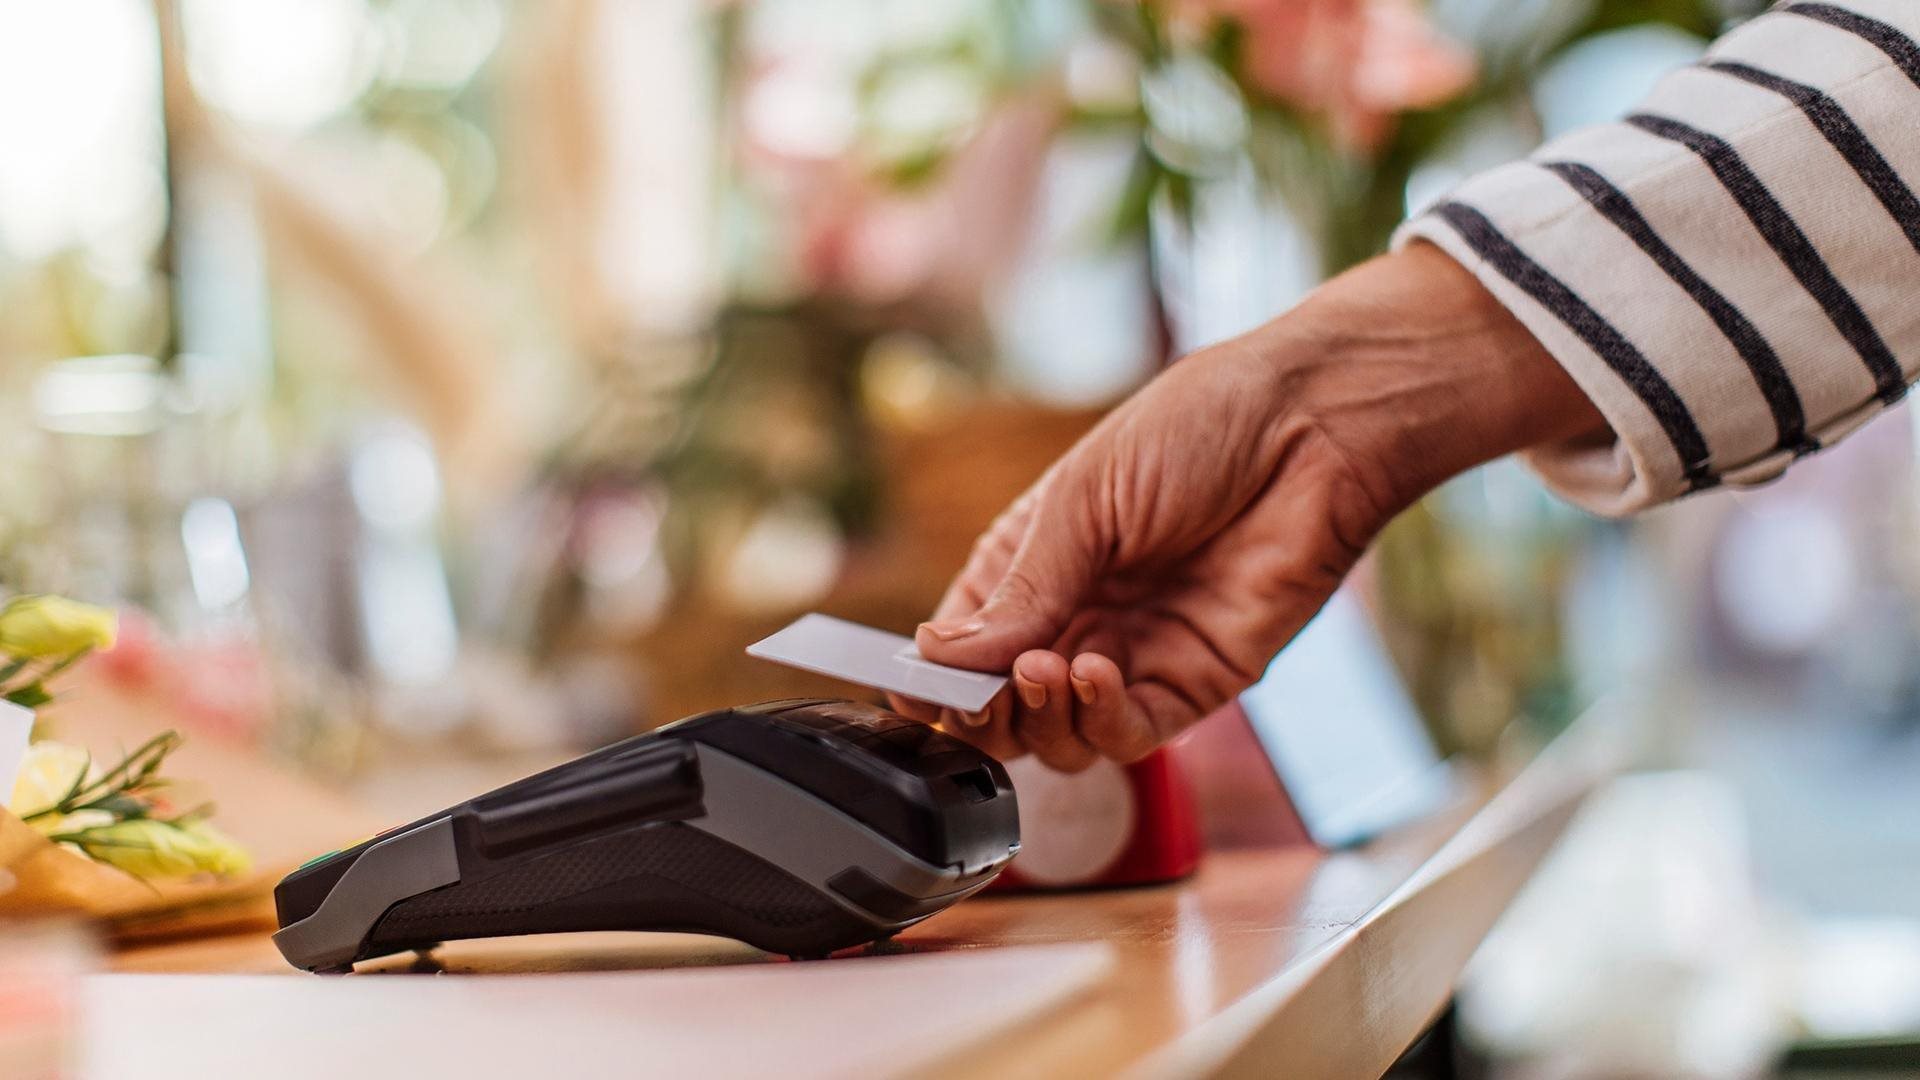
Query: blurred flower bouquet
[[75, 836]]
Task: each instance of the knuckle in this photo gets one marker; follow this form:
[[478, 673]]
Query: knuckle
[[1121, 741], [985, 549], [1022, 591], [1105, 740]]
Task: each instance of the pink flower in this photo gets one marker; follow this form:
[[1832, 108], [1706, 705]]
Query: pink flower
[[1354, 62], [219, 687], [940, 242], [138, 656]]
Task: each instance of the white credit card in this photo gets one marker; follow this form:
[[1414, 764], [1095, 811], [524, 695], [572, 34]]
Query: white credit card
[[860, 654]]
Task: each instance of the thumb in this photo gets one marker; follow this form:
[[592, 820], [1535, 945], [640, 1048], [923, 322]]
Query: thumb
[[1045, 582]]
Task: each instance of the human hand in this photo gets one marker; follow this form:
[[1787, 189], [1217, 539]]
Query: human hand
[[1150, 575]]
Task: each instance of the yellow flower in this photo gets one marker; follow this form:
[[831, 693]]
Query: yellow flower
[[156, 849], [220, 854], [40, 627], [47, 773]]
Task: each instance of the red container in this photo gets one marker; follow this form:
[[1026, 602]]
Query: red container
[[1141, 824], [1110, 825]]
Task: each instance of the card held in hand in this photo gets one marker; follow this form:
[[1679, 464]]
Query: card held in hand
[[885, 661]]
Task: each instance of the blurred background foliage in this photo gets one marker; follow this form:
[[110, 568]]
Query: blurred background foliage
[[444, 377], [576, 342]]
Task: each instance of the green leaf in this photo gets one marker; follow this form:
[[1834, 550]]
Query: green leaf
[[1131, 24], [142, 763], [1133, 212], [916, 169], [1090, 118], [31, 696], [120, 806], [187, 817], [1698, 17], [1180, 196]]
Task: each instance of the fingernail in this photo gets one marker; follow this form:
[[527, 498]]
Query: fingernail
[[1082, 689], [1032, 693], [953, 631], [974, 719]]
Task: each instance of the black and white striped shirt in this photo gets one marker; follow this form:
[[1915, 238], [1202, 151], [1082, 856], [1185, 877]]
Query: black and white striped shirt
[[1732, 272]]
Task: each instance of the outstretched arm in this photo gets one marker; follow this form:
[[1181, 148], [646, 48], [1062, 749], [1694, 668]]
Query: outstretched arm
[[1156, 568], [1696, 295]]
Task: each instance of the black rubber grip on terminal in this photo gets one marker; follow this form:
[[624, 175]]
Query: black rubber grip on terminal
[[668, 876], [652, 781]]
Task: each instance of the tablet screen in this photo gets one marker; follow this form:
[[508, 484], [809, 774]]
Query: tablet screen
[[1342, 731]]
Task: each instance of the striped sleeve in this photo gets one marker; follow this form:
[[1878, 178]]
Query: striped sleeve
[[1732, 272]]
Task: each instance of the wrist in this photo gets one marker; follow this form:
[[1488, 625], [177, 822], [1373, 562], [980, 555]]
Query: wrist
[[1418, 374]]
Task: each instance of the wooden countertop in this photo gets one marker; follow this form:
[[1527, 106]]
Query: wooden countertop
[[1270, 961]]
